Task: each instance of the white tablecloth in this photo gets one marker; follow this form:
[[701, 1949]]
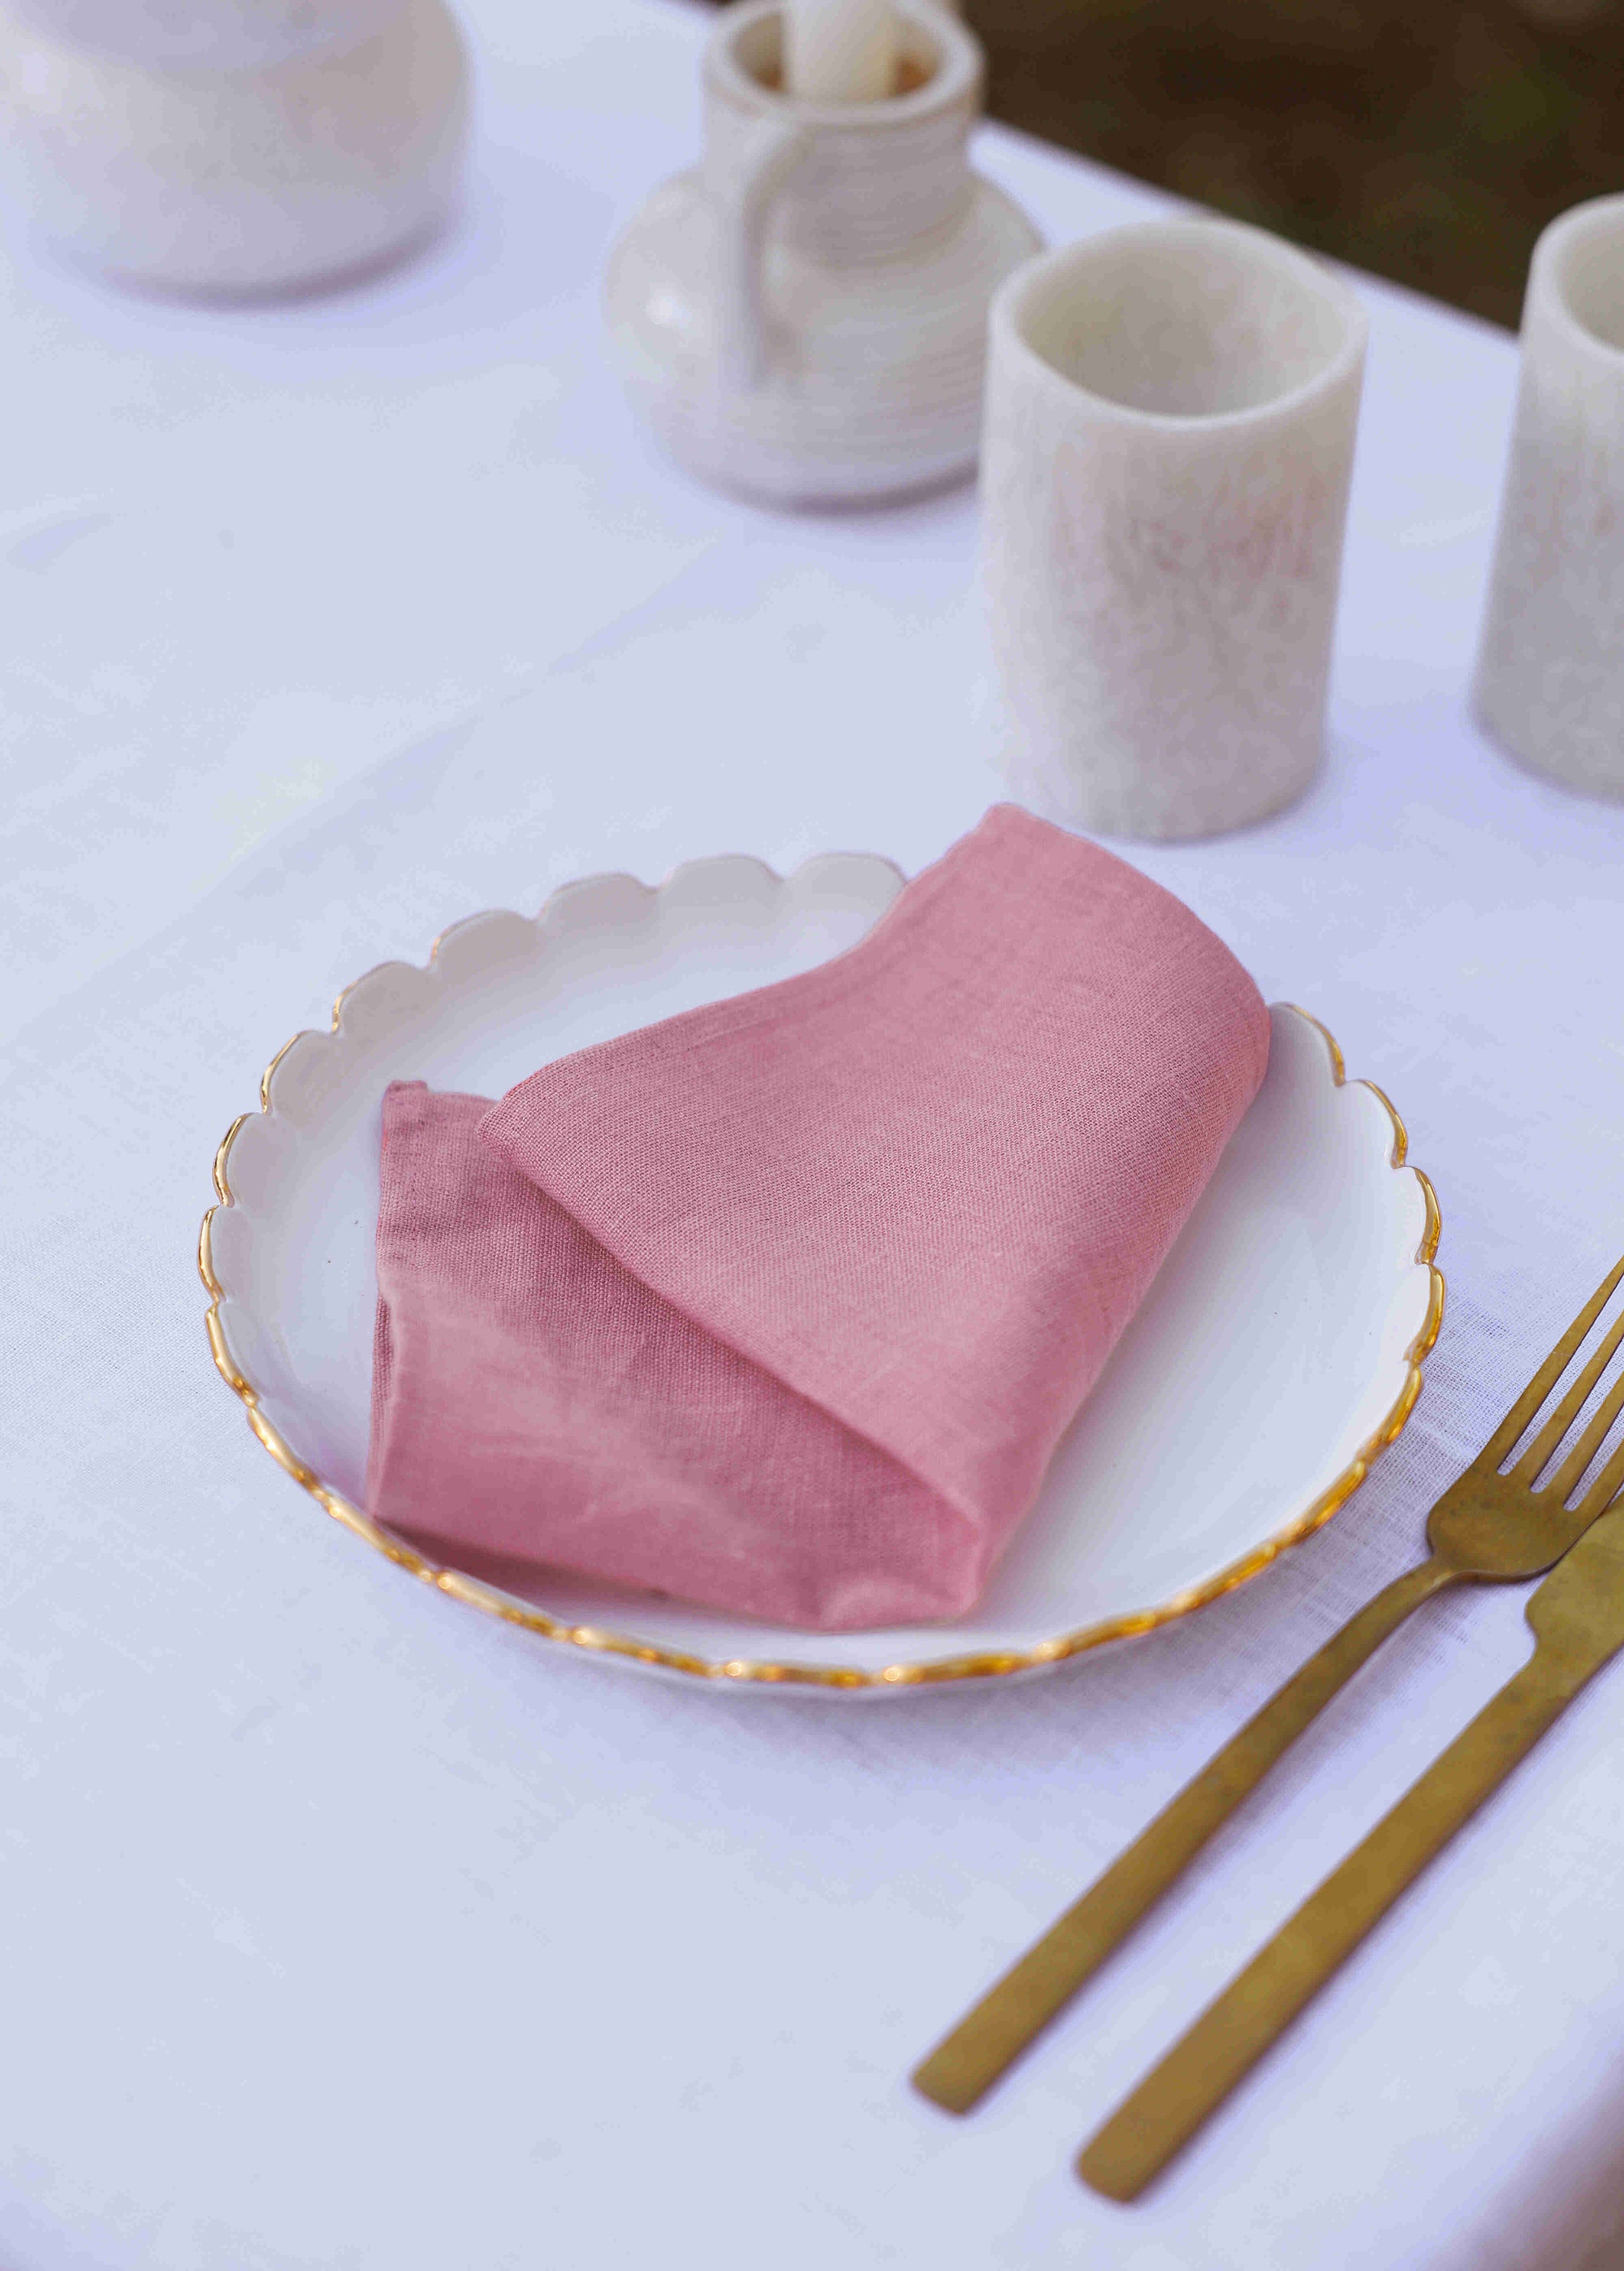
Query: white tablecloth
[[343, 1929]]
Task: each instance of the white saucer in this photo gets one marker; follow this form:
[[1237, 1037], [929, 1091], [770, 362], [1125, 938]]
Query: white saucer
[[1279, 1349]]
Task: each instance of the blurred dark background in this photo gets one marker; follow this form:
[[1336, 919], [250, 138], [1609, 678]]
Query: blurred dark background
[[1428, 140]]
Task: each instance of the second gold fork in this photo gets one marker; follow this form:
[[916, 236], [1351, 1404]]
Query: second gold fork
[[1486, 1526]]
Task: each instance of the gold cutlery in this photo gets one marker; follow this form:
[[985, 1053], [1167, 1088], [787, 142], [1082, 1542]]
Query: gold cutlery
[[1488, 1526], [1577, 1617]]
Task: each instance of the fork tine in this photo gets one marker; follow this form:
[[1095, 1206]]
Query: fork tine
[[1552, 1370], [1534, 1460], [1585, 1450], [1608, 1484]]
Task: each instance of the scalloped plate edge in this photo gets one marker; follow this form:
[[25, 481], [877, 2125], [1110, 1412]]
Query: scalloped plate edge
[[760, 1672]]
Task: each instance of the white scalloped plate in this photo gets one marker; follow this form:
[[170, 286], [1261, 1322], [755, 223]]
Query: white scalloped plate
[[1279, 1349]]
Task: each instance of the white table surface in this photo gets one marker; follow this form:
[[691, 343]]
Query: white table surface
[[343, 1929]]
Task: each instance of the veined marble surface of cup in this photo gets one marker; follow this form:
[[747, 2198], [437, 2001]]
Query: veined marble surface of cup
[[802, 316], [1171, 410], [1550, 677], [268, 167]]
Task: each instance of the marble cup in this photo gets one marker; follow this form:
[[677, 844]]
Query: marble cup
[[802, 317], [1171, 410], [223, 147], [1550, 674]]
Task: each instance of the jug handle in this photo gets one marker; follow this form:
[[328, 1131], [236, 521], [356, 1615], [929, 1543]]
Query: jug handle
[[744, 331]]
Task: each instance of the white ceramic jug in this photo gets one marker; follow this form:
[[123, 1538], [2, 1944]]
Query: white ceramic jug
[[230, 146], [803, 316]]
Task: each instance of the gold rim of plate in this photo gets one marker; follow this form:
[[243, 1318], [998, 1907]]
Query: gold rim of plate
[[990, 1664]]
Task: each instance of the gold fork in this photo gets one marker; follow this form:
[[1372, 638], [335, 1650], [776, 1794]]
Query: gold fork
[[1488, 1525]]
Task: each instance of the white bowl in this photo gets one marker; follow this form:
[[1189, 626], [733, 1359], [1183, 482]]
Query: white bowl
[[317, 166]]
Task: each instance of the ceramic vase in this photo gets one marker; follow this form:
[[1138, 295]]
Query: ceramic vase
[[232, 145], [216, 34], [1550, 677], [802, 317], [1170, 419]]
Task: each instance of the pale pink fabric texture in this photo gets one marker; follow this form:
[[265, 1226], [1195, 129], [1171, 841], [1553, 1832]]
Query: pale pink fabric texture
[[784, 1304]]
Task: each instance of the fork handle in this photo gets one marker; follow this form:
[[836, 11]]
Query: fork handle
[[1011, 2016], [1224, 2044]]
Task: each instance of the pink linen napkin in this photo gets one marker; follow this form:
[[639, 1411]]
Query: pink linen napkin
[[784, 1304]]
